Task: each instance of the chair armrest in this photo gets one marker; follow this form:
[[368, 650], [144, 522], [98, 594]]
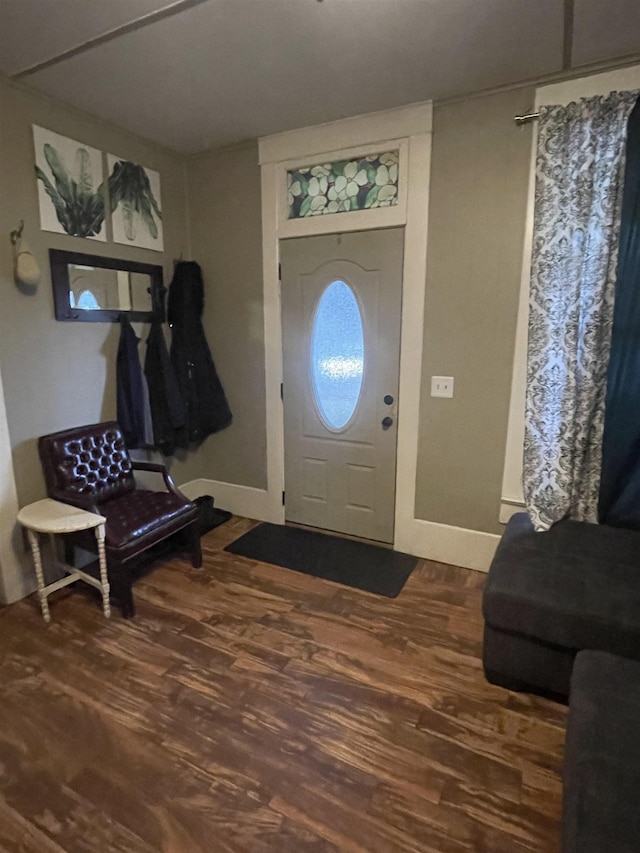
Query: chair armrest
[[141, 465], [159, 468]]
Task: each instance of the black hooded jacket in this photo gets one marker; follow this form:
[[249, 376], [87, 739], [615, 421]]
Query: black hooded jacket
[[207, 407]]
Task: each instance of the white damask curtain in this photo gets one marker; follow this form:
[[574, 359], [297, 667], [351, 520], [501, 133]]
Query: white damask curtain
[[579, 180]]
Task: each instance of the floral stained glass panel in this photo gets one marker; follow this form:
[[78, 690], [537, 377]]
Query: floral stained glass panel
[[361, 183]]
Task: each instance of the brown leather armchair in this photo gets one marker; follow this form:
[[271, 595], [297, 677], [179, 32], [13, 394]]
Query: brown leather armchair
[[90, 467]]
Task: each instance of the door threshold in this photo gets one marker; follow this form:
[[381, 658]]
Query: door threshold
[[362, 539]]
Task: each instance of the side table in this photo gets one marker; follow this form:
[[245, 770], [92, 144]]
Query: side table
[[52, 517]]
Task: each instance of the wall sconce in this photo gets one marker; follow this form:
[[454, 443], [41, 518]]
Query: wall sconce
[[25, 267]]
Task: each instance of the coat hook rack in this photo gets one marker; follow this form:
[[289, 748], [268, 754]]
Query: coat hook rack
[[16, 234], [26, 272]]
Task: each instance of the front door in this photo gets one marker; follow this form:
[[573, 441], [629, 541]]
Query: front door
[[341, 301]]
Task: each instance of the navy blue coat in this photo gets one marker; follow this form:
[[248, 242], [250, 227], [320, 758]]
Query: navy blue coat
[[130, 392]]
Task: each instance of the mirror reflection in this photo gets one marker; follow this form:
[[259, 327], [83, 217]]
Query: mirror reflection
[[91, 288]]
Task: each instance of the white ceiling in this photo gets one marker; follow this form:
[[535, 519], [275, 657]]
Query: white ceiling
[[194, 74]]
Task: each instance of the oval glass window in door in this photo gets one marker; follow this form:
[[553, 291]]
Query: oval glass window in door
[[337, 354]]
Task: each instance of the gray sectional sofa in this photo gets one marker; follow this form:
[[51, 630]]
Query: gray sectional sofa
[[601, 773], [562, 619], [550, 595]]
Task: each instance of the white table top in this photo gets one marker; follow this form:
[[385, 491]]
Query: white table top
[[49, 516]]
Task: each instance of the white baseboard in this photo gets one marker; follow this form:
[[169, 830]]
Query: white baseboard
[[509, 507], [240, 500], [444, 543]]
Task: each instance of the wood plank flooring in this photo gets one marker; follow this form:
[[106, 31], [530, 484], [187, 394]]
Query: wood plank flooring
[[251, 708]]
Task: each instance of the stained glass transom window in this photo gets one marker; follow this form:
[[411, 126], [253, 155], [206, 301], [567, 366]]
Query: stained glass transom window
[[337, 354], [361, 183]]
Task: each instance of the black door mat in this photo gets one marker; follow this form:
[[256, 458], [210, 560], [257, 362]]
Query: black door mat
[[357, 564]]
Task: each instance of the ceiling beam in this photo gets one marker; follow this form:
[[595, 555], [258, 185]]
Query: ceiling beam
[[139, 23], [597, 67]]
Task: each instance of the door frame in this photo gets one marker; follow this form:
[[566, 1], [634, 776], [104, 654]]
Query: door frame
[[408, 130]]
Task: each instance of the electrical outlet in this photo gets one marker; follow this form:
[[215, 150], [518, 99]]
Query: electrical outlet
[[442, 386]]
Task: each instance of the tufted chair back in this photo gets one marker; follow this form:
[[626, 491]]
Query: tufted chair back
[[88, 464]]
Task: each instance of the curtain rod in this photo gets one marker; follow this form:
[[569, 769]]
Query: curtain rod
[[525, 119]]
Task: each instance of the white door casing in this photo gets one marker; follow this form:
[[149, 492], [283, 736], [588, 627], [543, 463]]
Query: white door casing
[[340, 464], [408, 130]]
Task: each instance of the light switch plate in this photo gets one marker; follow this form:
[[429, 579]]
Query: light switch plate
[[442, 386]]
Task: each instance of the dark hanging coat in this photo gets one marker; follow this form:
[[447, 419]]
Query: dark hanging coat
[[132, 399], [168, 409], [207, 407]]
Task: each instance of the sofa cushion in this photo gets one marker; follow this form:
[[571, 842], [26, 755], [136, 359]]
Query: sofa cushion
[[602, 756], [576, 585]]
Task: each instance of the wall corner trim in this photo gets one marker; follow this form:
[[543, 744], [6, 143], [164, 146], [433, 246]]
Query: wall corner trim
[[17, 578]]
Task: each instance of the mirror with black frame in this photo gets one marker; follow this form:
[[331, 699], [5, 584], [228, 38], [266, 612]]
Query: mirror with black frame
[[90, 288]]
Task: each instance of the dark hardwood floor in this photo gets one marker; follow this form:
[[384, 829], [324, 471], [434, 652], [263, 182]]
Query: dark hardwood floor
[[251, 708]]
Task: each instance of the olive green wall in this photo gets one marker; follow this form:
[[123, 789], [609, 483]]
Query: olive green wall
[[478, 197], [226, 240], [58, 375]]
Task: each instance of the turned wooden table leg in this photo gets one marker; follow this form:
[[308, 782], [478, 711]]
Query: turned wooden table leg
[[53, 517], [104, 577], [37, 561]]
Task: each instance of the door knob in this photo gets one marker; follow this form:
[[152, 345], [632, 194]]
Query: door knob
[[387, 422]]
